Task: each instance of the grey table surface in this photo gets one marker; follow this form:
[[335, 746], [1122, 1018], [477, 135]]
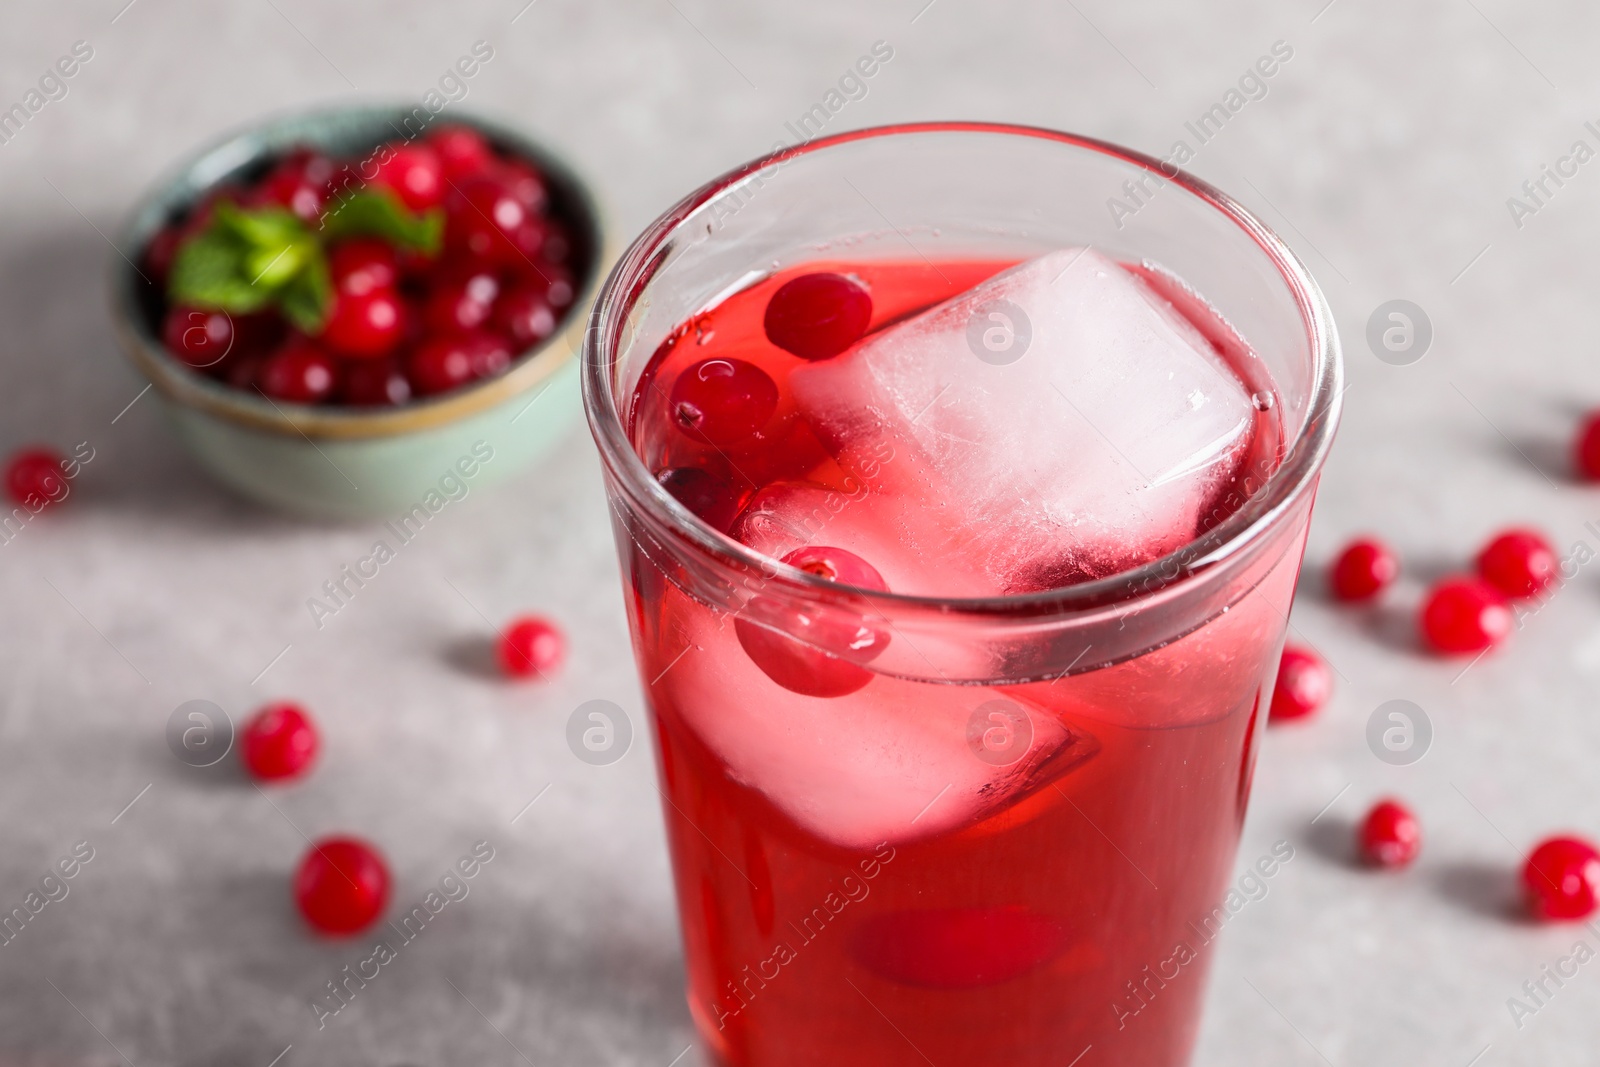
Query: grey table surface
[[1385, 151]]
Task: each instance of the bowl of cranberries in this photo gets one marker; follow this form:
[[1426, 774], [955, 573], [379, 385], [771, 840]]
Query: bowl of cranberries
[[338, 309]]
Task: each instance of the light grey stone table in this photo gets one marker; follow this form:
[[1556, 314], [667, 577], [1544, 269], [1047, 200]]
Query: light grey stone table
[[1384, 150]]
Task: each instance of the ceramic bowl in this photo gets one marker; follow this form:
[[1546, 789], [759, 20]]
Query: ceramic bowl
[[355, 463]]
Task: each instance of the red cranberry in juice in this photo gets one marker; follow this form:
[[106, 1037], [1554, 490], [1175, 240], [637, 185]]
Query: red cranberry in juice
[[531, 647], [463, 152], [1364, 569], [716, 499], [300, 373], [1463, 615], [723, 401], [1519, 563], [199, 338], [1390, 835], [1002, 915], [365, 325], [817, 316], [414, 173], [341, 886], [278, 742], [799, 665], [363, 265], [1304, 684], [36, 478], [1562, 879]]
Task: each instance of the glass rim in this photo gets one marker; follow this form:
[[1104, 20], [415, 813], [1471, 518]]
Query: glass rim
[[1302, 460]]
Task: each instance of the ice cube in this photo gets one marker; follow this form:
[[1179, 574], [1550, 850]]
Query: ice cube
[[1058, 422], [894, 761]]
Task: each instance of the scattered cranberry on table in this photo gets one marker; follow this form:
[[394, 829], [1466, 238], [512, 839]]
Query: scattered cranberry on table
[[531, 647], [1304, 684], [1390, 835], [1562, 879], [1519, 563], [342, 885], [1586, 449], [279, 741], [1364, 569], [1462, 615], [35, 478]]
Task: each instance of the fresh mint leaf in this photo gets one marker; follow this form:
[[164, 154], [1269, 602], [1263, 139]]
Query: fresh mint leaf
[[306, 298], [375, 212], [208, 272], [248, 259]]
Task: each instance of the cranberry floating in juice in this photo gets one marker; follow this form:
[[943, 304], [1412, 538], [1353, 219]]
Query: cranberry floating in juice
[[955, 661]]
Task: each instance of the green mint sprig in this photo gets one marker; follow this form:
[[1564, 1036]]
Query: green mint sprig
[[251, 259]]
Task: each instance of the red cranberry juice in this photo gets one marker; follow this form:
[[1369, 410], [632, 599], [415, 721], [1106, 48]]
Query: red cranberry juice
[[1072, 917]]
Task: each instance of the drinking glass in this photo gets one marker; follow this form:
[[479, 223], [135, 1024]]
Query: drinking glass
[[1014, 845]]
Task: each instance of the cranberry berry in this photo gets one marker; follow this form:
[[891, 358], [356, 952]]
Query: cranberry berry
[[414, 173], [341, 886], [531, 647], [1390, 835], [1519, 563], [487, 222], [1364, 569], [300, 373], [525, 315], [441, 364], [365, 325], [462, 152], [1586, 449], [363, 265], [1304, 684], [198, 338], [713, 498], [817, 316], [1562, 879], [723, 401], [35, 478], [461, 301], [371, 383], [1462, 615], [279, 741], [300, 183], [789, 647]]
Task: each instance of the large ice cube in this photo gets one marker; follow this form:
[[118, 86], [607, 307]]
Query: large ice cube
[[1058, 422], [895, 761]]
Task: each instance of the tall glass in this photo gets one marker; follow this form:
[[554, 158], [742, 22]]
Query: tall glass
[[1013, 845]]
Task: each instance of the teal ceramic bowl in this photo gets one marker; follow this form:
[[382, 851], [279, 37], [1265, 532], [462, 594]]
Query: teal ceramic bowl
[[358, 463]]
